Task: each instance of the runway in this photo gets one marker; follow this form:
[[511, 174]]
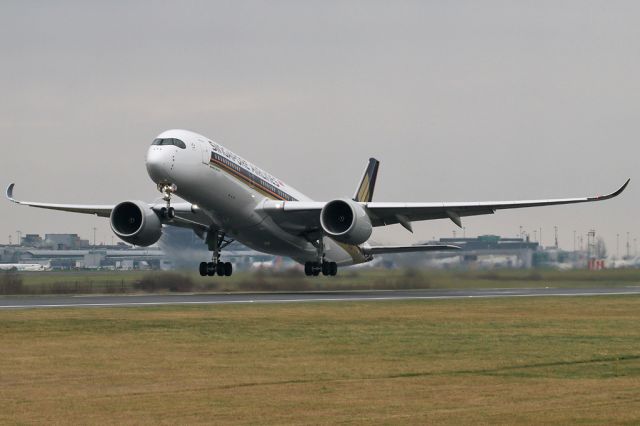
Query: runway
[[92, 301]]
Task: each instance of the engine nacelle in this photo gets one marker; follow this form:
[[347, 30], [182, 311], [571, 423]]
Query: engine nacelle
[[346, 221], [135, 223]]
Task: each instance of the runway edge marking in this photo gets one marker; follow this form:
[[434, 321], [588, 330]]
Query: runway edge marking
[[333, 299]]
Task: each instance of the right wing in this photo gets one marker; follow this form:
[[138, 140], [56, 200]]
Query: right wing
[[187, 215], [96, 209]]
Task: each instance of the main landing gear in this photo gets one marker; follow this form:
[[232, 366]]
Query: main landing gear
[[314, 268], [216, 242], [222, 269]]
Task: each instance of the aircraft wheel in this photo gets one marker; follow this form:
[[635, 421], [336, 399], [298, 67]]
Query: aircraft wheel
[[211, 269], [220, 269], [333, 269], [171, 213], [228, 269], [326, 268], [203, 269], [308, 268], [316, 269]]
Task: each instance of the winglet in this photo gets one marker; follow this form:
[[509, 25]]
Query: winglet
[[613, 194], [10, 193]]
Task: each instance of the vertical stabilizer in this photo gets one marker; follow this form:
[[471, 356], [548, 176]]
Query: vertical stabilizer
[[364, 193]]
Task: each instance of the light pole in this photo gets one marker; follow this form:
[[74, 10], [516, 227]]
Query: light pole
[[627, 244], [574, 240], [540, 236]]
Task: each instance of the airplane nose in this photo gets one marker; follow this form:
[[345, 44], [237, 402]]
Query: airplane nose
[[158, 164]]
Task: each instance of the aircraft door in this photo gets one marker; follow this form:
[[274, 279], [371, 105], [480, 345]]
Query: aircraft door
[[206, 151]]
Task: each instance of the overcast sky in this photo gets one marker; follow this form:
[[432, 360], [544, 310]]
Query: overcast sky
[[461, 101]]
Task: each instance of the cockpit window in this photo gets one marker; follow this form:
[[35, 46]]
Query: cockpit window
[[170, 141]]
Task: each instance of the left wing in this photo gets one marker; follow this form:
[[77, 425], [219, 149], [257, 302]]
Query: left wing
[[304, 216], [390, 213]]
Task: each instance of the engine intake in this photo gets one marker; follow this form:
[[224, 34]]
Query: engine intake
[[346, 221], [136, 223]]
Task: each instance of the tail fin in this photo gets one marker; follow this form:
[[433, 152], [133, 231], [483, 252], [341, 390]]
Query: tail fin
[[364, 193]]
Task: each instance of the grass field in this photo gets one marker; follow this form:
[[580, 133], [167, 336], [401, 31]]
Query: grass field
[[86, 282], [533, 360]]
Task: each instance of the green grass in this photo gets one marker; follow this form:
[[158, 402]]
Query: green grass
[[534, 360], [349, 279]]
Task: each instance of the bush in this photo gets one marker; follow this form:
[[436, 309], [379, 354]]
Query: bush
[[167, 281], [10, 283]]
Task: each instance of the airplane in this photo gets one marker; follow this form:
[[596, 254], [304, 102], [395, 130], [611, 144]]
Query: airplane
[[228, 198], [27, 267]]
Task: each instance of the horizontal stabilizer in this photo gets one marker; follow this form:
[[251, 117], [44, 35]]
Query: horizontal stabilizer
[[409, 249]]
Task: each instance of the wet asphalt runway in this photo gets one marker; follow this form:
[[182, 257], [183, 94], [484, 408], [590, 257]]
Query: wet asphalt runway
[[92, 301]]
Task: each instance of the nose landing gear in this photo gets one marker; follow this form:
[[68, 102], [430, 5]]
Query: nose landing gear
[[216, 242], [167, 190]]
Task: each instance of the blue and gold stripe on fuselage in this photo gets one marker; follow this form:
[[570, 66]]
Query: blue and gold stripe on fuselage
[[251, 179]]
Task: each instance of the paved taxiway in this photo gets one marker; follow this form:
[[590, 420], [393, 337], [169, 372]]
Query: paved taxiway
[[16, 302]]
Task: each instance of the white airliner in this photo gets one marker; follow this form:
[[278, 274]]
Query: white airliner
[[27, 267], [229, 198]]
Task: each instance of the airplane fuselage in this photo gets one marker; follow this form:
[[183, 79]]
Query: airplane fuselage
[[228, 189]]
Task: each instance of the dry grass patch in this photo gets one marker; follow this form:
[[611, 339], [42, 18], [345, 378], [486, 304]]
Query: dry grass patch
[[484, 361]]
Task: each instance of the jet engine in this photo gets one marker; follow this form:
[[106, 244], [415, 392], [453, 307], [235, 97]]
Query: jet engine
[[136, 223], [346, 221]]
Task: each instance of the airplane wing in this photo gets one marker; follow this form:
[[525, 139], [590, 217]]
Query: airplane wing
[[304, 216], [390, 213], [96, 209], [186, 215]]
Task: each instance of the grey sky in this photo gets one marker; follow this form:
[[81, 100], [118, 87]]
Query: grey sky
[[460, 101]]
